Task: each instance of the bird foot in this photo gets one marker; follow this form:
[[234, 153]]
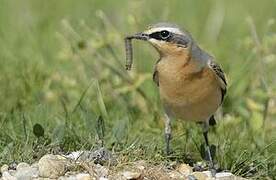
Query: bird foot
[[208, 153]]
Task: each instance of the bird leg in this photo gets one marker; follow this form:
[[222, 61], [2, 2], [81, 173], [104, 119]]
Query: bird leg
[[168, 134], [209, 158]]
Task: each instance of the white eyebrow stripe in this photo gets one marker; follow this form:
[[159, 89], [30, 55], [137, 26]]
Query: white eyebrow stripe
[[172, 30]]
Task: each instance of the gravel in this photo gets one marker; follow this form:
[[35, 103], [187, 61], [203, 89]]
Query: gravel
[[101, 165]]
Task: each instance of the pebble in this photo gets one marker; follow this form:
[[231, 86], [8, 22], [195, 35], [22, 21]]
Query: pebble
[[35, 165], [141, 165], [12, 172], [81, 176], [52, 166], [103, 178], [132, 175], [191, 177], [200, 176], [185, 169], [208, 173], [55, 167], [99, 156], [101, 171], [176, 175], [224, 176], [7, 176], [4, 168], [22, 165], [26, 173]]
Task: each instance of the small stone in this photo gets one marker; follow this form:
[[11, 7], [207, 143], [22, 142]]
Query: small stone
[[52, 166], [83, 176], [4, 168], [12, 172], [172, 165], [209, 173], [200, 176], [22, 165], [24, 173], [98, 156], [185, 169], [176, 175], [103, 178], [200, 166], [75, 155], [35, 165], [224, 176], [66, 177], [103, 156], [101, 171], [7, 176], [132, 175], [141, 165], [191, 177]]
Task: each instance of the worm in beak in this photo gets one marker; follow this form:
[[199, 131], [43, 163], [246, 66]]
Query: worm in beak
[[128, 46]]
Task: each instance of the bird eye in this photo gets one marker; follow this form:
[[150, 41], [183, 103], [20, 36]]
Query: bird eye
[[165, 34]]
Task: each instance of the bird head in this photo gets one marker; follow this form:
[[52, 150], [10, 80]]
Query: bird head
[[167, 38]]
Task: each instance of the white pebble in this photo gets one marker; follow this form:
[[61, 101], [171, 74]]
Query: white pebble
[[26, 173], [103, 178], [75, 155], [22, 165], [6, 176], [83, 176], [224, 176], [4, 168], [131, 175]]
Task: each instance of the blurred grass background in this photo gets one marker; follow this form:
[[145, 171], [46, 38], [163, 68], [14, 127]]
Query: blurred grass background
[[62, 67]]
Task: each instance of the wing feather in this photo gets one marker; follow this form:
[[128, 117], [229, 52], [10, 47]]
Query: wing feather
[[221, 77], [155, 73]]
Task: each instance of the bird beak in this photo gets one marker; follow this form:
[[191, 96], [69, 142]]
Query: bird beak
[[140, 36]]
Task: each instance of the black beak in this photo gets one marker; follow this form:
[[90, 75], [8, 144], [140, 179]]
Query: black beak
[[139, 36]]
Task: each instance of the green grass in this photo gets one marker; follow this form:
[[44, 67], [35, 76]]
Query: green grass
[[62, 66]]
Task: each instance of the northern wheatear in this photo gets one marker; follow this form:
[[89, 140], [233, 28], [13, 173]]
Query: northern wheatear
[[192, 85]]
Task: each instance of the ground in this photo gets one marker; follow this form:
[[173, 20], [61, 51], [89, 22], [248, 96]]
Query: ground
[[63, 86]]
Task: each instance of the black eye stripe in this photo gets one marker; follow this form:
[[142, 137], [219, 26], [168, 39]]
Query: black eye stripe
[[156, 35], [173, 38], [161, 35]]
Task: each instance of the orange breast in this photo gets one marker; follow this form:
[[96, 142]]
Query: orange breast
[[190, 93]]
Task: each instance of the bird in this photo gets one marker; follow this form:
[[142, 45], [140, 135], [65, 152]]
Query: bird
[[192, 85]]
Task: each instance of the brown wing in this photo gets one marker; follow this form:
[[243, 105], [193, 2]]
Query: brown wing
[[221, 77]]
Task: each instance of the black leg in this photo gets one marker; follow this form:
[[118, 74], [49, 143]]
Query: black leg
[[168, 133], [209, 157], [168, 138]]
